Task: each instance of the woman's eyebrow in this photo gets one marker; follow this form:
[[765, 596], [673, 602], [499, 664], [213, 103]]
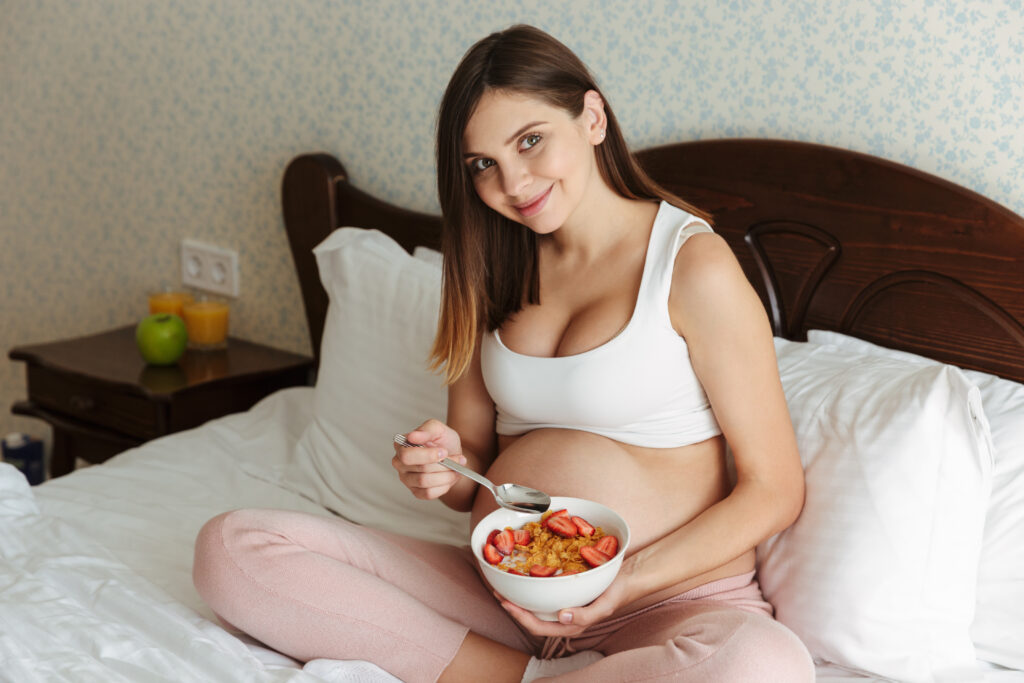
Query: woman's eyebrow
[[512, 137]]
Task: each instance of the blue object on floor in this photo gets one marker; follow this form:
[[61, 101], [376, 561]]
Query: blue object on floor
[[26, 454]]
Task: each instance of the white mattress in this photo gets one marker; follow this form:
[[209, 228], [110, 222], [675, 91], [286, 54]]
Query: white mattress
[[95, 575]]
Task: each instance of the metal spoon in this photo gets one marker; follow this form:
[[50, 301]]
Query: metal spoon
[[511, 496]]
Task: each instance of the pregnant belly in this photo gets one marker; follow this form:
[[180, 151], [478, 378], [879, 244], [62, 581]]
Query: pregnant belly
[[655, 490]]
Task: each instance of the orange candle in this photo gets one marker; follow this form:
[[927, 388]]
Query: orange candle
[[168, 302], [207, 323]]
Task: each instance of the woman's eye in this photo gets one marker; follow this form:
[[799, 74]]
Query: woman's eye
[[529, 141], [479, 165]]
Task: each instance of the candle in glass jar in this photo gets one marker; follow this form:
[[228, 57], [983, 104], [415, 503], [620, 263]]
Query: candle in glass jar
[[169, 302], [207, 324]]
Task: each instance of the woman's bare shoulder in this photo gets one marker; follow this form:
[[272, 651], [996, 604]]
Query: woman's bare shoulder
[[708, 281], [705, 260]]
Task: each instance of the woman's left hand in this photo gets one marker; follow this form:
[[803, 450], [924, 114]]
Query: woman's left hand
[[571, 620]]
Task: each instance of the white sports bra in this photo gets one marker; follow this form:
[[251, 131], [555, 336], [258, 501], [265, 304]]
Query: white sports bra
[[638, 388]]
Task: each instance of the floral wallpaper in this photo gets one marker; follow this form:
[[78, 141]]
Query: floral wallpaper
[[127, 125]]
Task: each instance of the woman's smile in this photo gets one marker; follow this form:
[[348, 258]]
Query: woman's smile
[[533, 206]]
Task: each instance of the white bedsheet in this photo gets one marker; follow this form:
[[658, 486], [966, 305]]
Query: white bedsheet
[[95, 567]]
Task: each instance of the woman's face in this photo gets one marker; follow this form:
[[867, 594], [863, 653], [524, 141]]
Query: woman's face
[[532, 162]]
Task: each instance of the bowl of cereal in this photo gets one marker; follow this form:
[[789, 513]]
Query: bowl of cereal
[[565, 557]]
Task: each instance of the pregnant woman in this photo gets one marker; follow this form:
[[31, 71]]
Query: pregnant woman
[[599, 341]]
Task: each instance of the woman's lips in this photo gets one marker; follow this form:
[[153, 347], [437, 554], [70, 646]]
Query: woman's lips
[[534, 206]]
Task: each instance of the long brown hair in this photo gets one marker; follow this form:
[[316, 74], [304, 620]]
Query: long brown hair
[[490, 262]]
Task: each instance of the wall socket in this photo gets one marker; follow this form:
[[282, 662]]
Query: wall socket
[[212, 269]]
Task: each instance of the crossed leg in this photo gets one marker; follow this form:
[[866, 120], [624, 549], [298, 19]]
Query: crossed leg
[[318, 587], [693, 641]]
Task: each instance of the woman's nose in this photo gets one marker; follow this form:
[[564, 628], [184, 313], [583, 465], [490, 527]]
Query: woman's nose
[[515, 178]]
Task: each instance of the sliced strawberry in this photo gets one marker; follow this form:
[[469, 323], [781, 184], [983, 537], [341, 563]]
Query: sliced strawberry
[[491, 554], [490, 536], [562, 526], [522, 536], [593, 557], [513, 570], [505, 542], [556, 513], [609, 545], [542, 570], [583, 526], [571, 571]]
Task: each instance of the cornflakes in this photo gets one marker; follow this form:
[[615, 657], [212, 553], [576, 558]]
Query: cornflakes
[[553, 548]]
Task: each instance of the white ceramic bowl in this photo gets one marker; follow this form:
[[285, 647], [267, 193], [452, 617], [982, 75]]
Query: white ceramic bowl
[[544, 596]]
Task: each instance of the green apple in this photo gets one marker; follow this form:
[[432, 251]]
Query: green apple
[[161, 338]]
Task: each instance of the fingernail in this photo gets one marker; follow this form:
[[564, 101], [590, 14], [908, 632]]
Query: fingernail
[[441, 455], [565, 617]]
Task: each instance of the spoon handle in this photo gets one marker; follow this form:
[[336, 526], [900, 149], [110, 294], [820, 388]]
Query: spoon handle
[[466, 472]]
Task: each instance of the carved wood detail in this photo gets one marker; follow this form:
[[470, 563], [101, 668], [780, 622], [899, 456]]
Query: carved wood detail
[[792, 259]]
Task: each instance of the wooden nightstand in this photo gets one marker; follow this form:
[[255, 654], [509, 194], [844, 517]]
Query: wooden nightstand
[[101, 398]]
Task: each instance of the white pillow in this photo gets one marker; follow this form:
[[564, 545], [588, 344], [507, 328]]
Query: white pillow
[[879, 572], [998, 629], [428, 255], [373, 382]]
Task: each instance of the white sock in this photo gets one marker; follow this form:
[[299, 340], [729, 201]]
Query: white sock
[[541, 668]]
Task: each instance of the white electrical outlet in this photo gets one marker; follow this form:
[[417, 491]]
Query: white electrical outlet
[[210, 268]]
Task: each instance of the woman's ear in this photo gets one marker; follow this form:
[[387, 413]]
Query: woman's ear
[[595, 118]]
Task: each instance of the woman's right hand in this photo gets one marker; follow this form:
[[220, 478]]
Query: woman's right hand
[[418, 467]]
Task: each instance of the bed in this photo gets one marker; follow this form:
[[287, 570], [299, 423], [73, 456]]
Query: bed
[[897, 301]]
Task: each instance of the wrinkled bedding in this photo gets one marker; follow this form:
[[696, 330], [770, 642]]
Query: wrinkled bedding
[[95, 567]]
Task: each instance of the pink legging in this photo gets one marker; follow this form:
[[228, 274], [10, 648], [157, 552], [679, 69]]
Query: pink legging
[[317, 587]]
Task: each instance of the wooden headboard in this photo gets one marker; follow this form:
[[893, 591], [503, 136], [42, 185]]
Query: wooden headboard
[[831, 239]]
